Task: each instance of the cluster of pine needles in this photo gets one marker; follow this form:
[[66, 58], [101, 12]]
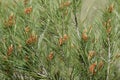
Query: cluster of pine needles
[[44, 40]]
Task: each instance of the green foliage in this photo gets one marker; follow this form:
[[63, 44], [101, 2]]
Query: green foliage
[[44, 40]]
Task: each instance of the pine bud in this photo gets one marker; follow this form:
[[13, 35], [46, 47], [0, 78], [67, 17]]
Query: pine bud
[[10, 50], [92, 68], [110, 9]]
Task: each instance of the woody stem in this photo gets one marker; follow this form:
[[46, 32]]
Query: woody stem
[[109, 55]]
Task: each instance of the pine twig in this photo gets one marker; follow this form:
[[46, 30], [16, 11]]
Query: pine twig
[[109, 55]]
